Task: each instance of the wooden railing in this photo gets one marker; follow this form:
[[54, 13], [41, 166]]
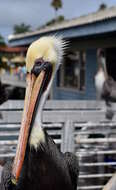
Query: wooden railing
[[13, 80], [76, 126]]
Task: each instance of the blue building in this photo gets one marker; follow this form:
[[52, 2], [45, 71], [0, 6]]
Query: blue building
[[86, 35]]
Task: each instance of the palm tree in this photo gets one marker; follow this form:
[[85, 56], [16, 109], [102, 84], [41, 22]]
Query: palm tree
[[102, 6], [56, 4], [21, 28]]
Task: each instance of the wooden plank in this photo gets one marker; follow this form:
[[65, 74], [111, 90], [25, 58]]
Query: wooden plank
[[7, 133], [14, 142], [54, 132], [8, 142], [89, 176], [14, 133], [7, 155], [52, 125], [90, 187], [75, 116], [102, 164], [94, 140], [97, 124], [100, 152], [59, 105], [16, 126], [58, 116]]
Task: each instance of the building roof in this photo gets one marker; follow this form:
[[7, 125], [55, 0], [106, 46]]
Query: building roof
[[98, 16]]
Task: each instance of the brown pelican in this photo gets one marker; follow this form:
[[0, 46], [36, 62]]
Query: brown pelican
[[38, 163], [105, 87]]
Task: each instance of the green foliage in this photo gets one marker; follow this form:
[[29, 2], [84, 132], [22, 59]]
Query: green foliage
[[21, 28], [102, 6], [60, 18], [54, 21], [2, 41], [56, 4]]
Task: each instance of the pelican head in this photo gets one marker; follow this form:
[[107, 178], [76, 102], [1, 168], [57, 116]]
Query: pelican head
[[42, 60], [50, 49]]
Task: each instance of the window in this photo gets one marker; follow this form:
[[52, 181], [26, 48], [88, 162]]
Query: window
[[72, 72]]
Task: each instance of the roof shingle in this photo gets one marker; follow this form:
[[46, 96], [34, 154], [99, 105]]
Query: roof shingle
[[98, 16]]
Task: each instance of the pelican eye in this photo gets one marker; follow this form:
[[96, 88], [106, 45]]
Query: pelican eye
[[40, 65]]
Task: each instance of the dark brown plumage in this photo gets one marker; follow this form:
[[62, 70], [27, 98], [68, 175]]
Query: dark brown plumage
[[44, 169], [109, 90]]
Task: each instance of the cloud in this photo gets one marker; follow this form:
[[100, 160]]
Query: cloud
[[38, 12], [33, 12]]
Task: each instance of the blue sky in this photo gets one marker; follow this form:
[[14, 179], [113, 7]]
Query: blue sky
[[37, 12]]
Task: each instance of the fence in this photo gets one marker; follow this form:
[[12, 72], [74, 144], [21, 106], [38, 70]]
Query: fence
[[76, 126]]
